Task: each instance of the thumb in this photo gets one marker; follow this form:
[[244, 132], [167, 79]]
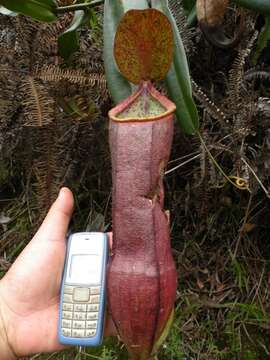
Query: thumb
[[55, 225]]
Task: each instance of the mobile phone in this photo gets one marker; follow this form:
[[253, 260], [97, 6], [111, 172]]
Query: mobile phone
[[83, 290]]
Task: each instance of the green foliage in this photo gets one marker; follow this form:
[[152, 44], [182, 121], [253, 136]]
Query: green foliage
[[262, 41], [192, 16], [164, 334], [68, 41], [188, 5], [172, 349], [261, 6], [178, 81], [240, 274], [47, 11], [6, 11], [42, 10]]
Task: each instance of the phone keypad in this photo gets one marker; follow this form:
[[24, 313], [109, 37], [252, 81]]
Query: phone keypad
[[81, 295], [67, 307], [93, 307], [80, 311], [80, 307], [79, 316], [66, 332], [67, 315], [92, 316]]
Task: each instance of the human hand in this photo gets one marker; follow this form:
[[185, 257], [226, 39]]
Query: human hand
[[29, 292]]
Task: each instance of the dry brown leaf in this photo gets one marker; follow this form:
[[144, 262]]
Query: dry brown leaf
[[211, 11], [247, 228]]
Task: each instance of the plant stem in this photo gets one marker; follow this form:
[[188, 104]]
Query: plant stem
[[75, 7], [192, 17], [241, 186]]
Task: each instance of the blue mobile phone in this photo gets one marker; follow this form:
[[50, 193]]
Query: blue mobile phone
[[83, 290]]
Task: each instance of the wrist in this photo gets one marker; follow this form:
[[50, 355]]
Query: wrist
[[5, 348]]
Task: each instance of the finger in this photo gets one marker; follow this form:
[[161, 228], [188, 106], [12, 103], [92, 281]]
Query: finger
[[55, 225]]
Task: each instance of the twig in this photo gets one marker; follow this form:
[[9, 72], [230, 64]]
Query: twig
[[83, 6], [256, 177], [240, 232], [182, 164]]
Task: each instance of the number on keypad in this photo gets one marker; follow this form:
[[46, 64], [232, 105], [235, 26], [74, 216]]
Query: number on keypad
[[80, 311]]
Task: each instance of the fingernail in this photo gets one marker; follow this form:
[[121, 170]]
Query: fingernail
[[61, 194]]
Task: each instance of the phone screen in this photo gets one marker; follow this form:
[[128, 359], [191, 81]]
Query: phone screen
[[85, 269]]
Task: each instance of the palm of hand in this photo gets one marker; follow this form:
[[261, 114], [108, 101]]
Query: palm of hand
[[30, 290], [33, 297]]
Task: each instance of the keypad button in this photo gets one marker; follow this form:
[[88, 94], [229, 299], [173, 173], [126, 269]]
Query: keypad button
[[95, 290], [68, 298], [66, 332], [67, 315], [78, 324], [78, 333], [67, 307], [81, 294], [93, 307], [92, 316], [91, 324], [66, 324], [80, 307], [94, 299], [79, 316], [68, 289], [90, 332]]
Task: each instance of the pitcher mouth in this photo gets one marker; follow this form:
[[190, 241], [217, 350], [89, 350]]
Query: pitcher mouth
[[146, 104]]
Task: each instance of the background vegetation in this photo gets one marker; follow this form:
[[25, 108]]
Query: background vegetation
[[53, 132]]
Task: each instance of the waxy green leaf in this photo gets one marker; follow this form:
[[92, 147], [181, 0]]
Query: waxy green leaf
[[188, 4], [5, 11], [68, 41], [263, 41], [143, 47], [42, 10], [178, 79], [164, 334]]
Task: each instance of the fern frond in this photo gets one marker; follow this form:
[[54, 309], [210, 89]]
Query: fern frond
[[39, 107], [7, 57], [89, 58], [4, 108], [50, 32], [254, 74], [236, 74], [208, 104], [187, 33], [263, 106], [46, 168], [7, 32], [8, 100], [54, 74], [26, 31]]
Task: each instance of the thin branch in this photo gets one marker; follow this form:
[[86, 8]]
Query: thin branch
[[257, 178], [239, 183], [75, 7], [182, 164]]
